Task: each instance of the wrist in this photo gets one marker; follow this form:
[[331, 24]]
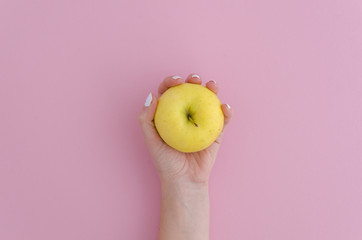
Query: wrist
[[183, 184], [184, 190]]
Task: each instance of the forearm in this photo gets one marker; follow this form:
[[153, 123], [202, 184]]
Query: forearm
[[184, 212]]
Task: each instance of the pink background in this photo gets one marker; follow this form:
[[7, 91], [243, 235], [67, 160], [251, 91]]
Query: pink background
[[74, 74]]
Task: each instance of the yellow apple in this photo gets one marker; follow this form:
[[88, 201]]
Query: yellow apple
[[189, 117]]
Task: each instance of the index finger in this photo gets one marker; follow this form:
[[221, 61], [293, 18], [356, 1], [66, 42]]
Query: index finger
[[168, 82]]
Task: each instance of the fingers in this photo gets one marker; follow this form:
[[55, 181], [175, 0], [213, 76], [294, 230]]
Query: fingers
[[168, 82], [228, 113], [212, 86], [171, 81], [193, 78], [196, 79], [145, 118]]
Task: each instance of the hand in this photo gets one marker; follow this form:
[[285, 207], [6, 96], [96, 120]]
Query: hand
[[172, 165]]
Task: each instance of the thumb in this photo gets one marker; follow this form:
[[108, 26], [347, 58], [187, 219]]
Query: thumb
[[145, 118]]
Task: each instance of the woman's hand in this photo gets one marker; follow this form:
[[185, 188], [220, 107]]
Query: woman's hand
[[184, 176], [172, 165]]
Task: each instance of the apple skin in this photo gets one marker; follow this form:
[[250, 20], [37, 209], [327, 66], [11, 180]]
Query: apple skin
[[189, 117]]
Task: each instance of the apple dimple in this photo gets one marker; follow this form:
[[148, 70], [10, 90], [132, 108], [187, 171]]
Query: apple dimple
[[189, 116]]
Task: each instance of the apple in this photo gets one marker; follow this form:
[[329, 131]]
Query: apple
[[189, 117]]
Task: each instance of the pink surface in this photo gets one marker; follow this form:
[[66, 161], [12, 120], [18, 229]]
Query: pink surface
[[74, 74]]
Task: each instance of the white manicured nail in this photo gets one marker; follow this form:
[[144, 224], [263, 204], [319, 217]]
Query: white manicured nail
[[213, 81], [176, 77], [195, 76], [228, 106], [148, 100]]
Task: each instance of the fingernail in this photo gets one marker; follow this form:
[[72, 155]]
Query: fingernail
[[176, 77], [213, 81], [228, 106], [195, 76], [148, 100]]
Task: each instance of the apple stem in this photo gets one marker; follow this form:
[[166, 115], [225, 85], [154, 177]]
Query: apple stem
[[191, 120]]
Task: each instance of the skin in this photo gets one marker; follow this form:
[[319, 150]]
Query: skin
[[184, 176]]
